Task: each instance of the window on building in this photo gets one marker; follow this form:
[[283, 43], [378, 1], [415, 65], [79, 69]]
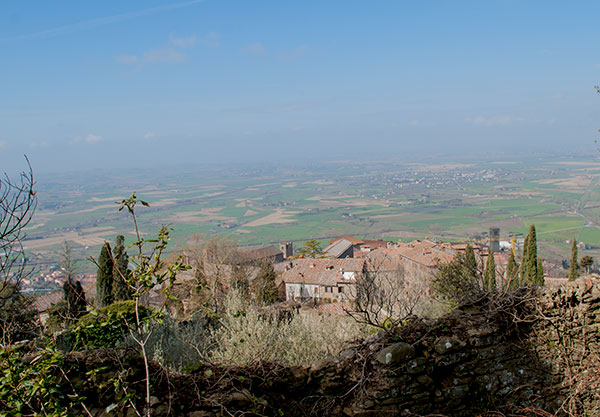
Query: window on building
[[340, 289]]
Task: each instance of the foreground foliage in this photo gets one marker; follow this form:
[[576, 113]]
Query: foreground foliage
[[34, 384], [503, 355]]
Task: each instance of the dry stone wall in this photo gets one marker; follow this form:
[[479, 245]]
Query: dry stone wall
[[521, 354]]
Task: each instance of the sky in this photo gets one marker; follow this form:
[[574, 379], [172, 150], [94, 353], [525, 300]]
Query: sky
[[115, 84]]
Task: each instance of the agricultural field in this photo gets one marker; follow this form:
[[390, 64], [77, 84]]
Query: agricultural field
[[256, 205]]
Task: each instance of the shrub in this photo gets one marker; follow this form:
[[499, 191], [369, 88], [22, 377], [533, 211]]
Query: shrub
[[31, 383], [108, 326], [248, 333], [179, 345], [457, 281]]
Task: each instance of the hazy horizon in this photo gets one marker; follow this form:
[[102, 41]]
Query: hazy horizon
[[143, 84]]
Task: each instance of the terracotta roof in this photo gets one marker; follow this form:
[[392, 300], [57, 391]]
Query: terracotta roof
[[321, 271], [376, 243], [477, 247], [43, 302], [425, 253], [260, 254], [339, 308]]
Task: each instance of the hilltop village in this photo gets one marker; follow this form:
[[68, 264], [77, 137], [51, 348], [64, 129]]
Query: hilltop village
[[326, 278]]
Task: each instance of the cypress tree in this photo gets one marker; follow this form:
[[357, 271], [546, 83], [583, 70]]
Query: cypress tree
[[530, 263], [512, 272], [489, 279], [470, 262], [540, 273], [523, 262], [104, 277], [120, 273], [265, 289], [74, 299], [573, 273], [532, 255]]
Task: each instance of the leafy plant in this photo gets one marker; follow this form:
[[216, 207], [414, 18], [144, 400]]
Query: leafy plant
[[108, 326], [34, 385], [150, 273]]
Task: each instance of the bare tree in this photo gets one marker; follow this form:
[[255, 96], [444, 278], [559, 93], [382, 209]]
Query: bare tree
[[76, 303], [213, 260], [387, 292], [66, 262], [18, 202]]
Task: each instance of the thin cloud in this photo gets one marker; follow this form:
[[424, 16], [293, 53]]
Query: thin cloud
[[91, 138], [499, 120], [101, 21], [184, 42], [163, 56], [39, 144], [267, 109], [170, 53], [420, 123], [255, 48], [149, 135], [2, 144], [296, 52], [212, 40], [127, 59]]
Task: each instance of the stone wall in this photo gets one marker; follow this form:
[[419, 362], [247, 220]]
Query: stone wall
[[522, 354]]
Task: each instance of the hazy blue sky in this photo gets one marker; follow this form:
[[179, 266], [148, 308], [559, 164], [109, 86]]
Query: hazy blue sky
[[99, 84]]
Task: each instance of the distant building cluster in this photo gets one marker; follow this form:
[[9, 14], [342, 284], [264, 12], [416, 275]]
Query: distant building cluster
[[331, 275], [52, 278], [330, 278]]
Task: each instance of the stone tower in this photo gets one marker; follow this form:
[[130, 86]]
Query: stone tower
[[287, 248], [494, 244]]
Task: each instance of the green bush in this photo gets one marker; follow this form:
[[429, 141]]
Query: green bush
[[109, 326], [31, 384]]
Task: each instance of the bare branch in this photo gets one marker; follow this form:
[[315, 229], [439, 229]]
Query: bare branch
[[386, 293], [18, 202]]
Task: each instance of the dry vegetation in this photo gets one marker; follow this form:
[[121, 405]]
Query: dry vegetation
[[248, 334]]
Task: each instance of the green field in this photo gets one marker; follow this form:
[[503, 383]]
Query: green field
[[457, 200]]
